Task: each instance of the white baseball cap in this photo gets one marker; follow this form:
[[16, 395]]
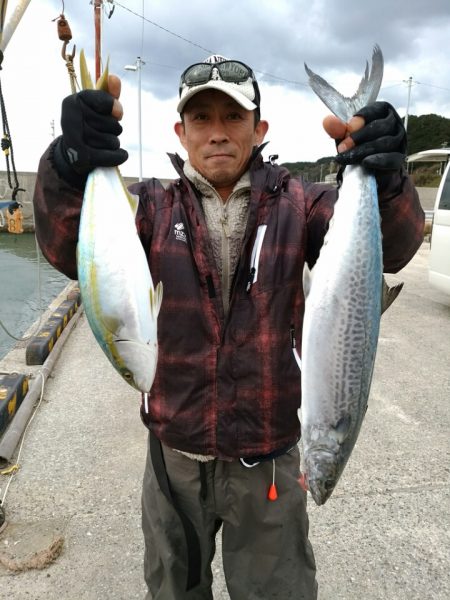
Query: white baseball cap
[[232, 77]]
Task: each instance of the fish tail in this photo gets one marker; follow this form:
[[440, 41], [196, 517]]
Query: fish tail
[[344, 108], [86, 79]]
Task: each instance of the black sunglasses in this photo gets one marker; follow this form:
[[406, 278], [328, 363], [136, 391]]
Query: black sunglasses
[[231, 71]]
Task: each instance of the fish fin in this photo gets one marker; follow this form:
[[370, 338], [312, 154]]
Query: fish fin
[[133, 201], [102, 82], [86, 80], [111, 324], [344, 108], [389, 294], [342, 428], [156, 299]]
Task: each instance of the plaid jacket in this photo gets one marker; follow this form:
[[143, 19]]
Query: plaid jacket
[[228, 387]]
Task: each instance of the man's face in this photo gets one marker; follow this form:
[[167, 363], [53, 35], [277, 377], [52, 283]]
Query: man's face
[[219, 135]]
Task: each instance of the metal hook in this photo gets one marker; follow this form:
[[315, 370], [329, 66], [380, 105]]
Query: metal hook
[[67, 56]]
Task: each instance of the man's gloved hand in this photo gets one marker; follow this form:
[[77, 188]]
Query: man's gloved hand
[[90, 130], [374, 137]]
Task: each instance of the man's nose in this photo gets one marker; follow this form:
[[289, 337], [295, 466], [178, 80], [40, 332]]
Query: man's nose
[[218, 133]]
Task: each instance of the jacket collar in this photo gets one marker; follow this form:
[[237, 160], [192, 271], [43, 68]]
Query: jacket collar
[[264, 177]]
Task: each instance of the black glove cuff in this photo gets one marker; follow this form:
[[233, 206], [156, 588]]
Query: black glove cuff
[[60, 161]]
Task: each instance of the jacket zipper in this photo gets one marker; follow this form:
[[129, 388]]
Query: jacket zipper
[[225, 258], [298, 360], [254, 260]]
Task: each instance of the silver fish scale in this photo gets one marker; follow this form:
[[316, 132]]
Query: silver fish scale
[[340, 331]]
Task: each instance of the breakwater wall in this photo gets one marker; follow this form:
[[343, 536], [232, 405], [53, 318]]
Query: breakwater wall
[[27, 180]]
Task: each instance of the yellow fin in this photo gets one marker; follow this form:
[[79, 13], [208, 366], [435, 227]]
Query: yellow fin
[[133, 200], [111, 324], [86, 79], [156, 299], [102, 83]]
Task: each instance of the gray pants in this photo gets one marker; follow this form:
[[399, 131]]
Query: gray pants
[[265, 546]]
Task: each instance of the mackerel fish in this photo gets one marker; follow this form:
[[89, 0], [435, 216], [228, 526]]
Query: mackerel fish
[[116, 286], [342, 309]]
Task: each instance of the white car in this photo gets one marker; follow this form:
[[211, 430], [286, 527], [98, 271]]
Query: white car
[[439, 263]]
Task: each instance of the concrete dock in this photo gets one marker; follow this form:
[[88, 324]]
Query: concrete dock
[[383, 535]]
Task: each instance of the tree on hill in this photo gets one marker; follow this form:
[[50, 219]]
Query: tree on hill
[[427, 132], [424, 133]]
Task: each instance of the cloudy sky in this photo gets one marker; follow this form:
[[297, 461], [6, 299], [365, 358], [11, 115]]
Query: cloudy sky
[[275, 37]]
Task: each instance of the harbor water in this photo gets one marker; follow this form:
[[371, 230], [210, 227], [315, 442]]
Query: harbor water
[[28, 284]]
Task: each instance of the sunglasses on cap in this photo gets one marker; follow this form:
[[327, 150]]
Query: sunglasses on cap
[[231, 71]]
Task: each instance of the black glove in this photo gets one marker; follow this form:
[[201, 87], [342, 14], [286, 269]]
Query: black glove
[[89, 136], [380, 143]]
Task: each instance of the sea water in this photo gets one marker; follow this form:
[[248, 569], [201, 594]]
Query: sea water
[[28, 284]]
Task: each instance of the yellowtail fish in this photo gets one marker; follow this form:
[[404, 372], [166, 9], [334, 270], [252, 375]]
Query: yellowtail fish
[[342, 309], [119, 298]]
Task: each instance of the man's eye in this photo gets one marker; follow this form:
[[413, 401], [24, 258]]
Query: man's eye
[[200, 117], [235, 116]]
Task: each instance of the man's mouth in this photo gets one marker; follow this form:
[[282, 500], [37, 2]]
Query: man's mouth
[[219, 157]]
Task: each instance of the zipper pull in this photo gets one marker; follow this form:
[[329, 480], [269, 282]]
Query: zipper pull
[[272, 494], [145, 399], [292, 333], [251, 277]]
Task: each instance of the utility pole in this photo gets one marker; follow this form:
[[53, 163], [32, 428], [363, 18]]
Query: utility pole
[[98, 37], [405, 122], [138, 67]]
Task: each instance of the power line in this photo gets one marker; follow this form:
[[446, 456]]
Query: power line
[[414, 83], [180, 37], [433, 86], [209, 51], [164, 28]]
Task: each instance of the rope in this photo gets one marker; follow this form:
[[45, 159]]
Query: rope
[[74, 85], [65, 35], [7, 147], [6, 144]]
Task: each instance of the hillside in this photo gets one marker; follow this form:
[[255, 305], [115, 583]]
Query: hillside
[[427, 132], [424, 133]]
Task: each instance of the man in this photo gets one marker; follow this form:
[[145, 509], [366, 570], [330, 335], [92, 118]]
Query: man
[[229, 240]]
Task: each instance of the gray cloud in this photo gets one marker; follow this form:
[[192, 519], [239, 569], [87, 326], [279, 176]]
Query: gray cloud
[[276, 38]]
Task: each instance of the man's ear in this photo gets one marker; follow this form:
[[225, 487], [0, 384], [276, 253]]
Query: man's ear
[[181, 133], [260, 131]]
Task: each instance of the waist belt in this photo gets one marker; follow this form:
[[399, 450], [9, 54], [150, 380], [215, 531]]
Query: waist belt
[[253, 461]]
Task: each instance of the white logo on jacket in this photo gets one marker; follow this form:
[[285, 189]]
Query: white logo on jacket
[[180, 233]]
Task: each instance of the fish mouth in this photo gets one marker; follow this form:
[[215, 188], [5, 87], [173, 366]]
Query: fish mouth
[[137, 363], [321, 490], [323, 473]]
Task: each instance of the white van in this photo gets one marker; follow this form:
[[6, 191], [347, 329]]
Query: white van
[[439, 263]]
